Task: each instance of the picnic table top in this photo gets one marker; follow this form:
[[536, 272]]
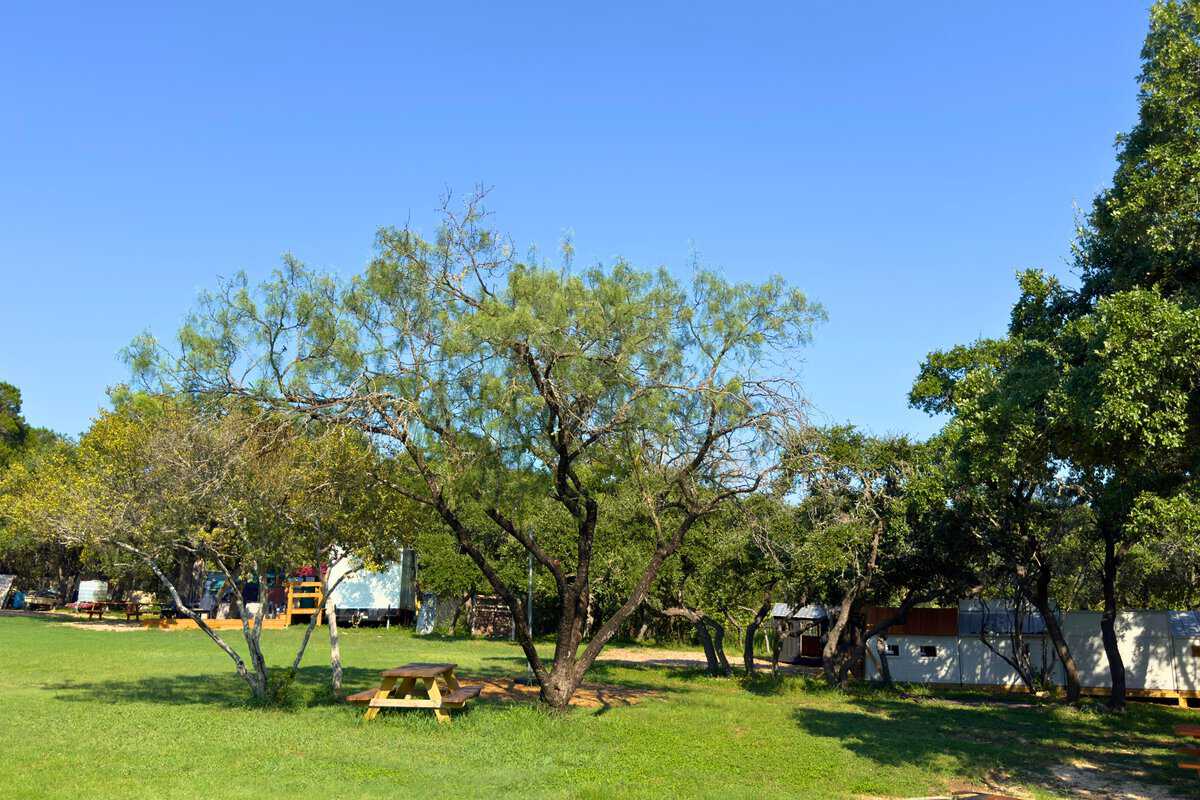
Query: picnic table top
[[418, 669]]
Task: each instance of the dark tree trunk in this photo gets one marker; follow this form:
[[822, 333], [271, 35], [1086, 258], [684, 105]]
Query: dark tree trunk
[[1041, 601], [833, 654], [1108, 620], [751, 632], [718, 644]]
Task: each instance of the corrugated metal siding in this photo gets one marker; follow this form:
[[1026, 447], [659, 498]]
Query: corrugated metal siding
[[1000, 622]]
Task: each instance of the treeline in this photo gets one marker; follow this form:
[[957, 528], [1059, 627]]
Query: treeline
[[644, 440]]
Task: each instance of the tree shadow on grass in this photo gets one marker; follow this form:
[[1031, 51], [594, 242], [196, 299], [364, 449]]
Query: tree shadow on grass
[[311, 688], [1001, 740]]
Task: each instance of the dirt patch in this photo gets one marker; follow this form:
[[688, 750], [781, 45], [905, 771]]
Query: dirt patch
[[121, 627], [588, 695], [1086, 779], [76, 620]]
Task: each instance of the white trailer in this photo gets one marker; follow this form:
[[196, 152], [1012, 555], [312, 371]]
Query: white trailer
[[365, 595]]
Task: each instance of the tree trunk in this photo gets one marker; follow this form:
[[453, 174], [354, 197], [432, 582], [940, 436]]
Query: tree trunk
[[1108, 620], [1041, 601], [335, 650], [751, 632], [885, 670], [717, 635], [714, 645], [833, 643]]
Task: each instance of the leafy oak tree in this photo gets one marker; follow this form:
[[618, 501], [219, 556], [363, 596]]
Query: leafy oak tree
[[510, 389], [1009, 486]]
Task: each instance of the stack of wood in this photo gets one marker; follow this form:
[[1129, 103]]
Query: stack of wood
[[491, 617]]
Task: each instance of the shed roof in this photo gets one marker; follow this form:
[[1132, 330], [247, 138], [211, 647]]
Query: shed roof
[[784, 611]]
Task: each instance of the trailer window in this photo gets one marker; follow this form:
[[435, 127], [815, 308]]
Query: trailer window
[[928, 651], [1196, 651], [893, 650]]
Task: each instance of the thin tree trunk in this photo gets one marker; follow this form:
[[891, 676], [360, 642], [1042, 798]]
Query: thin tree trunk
[[257, 687], [885, 669], [335, 650], [1108, 632]]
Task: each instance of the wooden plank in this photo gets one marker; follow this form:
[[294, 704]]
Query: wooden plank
[[400, 702], [462, 694], [385, 688], [418, 669], [1187, 730]]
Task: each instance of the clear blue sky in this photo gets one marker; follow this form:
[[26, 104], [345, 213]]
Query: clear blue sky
[[899, 162]]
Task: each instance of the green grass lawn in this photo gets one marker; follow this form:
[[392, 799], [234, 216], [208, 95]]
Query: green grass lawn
[[161, 714]]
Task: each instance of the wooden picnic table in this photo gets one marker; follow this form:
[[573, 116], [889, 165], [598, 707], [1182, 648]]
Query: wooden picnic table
[[96, 608], [398, 689]]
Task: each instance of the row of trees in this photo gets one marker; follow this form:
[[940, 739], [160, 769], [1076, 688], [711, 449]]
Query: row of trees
[[644, 440]]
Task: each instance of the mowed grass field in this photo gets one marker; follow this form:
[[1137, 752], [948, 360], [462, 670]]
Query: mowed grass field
[[148, 714]]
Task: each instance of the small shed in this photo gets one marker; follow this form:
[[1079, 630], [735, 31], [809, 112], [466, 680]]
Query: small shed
[[801, 630]]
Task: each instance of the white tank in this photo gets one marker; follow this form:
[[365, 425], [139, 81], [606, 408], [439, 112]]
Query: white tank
[[93, 591]]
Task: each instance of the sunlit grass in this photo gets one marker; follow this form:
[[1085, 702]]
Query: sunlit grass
[[161, 714]]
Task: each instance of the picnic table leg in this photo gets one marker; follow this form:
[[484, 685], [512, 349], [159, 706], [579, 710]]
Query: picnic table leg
[[435, 694], [385, 688], [452, 682]]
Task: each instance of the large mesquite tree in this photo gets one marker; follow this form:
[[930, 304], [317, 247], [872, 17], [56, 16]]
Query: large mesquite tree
[[510, 388]]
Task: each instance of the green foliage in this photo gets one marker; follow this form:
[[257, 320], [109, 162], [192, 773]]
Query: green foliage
[[1144, 231], [14, 431]]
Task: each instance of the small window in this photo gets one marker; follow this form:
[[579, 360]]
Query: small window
[[1196, 651], [893, 650], [928, 651]]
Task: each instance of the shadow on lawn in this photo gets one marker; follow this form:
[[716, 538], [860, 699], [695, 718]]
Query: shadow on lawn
[[312, 687], [1028, 742]]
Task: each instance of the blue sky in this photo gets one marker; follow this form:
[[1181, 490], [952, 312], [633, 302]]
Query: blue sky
[[897, 162]]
